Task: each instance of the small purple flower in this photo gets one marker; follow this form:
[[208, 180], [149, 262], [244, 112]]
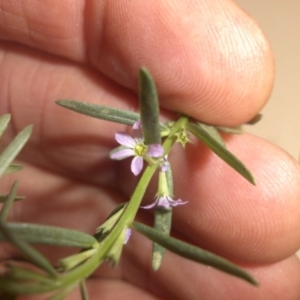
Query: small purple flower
[[134, 146], [164, 196], [164, 201]]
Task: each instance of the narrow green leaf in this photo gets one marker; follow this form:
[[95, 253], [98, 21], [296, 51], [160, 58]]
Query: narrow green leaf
[[72, 261], [50, 235], [13, 168], [13, 149], [116, 210], [231, 130], [162, 223], [239, 129], [213, 132], [33, 255], [9, 202], [10, 286], [149, 108], [17, 273], [194, 253], [101, 112], [4, 120], [4, 196], [105, 228], [83, 291], [200, 132], [255, 120]]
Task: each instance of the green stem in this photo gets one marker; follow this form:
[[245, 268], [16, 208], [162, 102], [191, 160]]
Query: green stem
[[129, 213], [128, 216], [138, 194]]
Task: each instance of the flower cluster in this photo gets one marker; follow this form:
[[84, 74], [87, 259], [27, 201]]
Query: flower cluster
[[134, 146]]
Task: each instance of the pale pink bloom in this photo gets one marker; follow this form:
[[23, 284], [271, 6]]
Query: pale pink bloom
[[134, 146], [164, 201]]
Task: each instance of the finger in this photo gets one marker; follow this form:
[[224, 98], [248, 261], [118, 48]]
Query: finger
[[225, 210], [38, 81], [277, 281], [52, 199], [61, 139], [210, 60], [78, 146], [108, 289], [71, 203], [225, 213]]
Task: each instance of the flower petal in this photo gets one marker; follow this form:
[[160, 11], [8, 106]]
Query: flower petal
[[137, 165], [137, 130], [125, 139], [121, 153], [177, 202], [150, 205], [137, 125], [127, 235], [155, 150], [164, 202]]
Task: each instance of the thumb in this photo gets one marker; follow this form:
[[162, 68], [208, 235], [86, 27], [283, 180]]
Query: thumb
[[210, 60]]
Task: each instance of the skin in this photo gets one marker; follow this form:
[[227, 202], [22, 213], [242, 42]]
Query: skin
[[211, 61]]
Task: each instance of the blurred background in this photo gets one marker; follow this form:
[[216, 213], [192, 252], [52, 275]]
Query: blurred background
[[280, 20]]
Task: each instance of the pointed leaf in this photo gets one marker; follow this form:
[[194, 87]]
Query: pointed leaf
[[149, 108], [50, 235], [194, 253], [8, 285], [169, 177], [4, 120], [231, 130], [255, 120], [72, 261], [116, 209], [104, 229], [13, 149], [162, 223], [33, 255], [101, 112], [213, 132], [83, 291], [13, 168], [201, 132], [9, 202], [3, 198], [22, 274]]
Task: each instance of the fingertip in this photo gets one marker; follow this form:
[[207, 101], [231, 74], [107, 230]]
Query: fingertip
[[227, 67], [210, 60], [249, 224]]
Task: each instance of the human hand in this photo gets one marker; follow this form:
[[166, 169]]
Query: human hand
[[210, 61]]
